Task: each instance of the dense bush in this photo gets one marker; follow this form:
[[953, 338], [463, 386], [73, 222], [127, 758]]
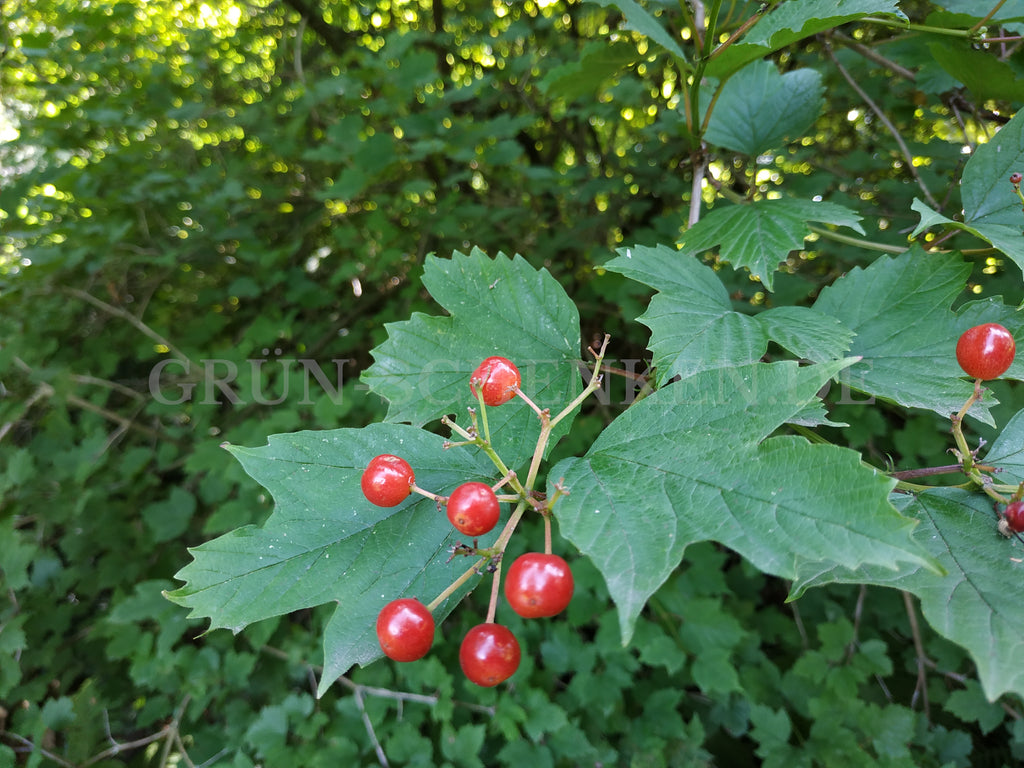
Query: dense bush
[[213, 212]]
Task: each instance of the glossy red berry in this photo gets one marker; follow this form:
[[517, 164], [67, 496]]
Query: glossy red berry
[[1014, 516], [985, 351], [405, 629], [1016, 178], [538, 585], [497, 378], [489, 654], [473, 509], [386, 480]]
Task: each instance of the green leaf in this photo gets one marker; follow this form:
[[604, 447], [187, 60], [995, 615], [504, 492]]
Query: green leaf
[[1011, 10], [500, 306], [992, 210], [759, 108], [647, 24], [977, 603], [694, 328], [984, 75], [674, 470], [906, 333], [326, 543], [599, 61], [761, 234], [792, 21]]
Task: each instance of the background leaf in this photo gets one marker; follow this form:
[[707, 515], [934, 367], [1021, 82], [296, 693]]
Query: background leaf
[[643, 21], [325, 542], [906, 332], [674, 470], [761, 234], [983, 587], [498, 306], [694, 327], [759, 108]]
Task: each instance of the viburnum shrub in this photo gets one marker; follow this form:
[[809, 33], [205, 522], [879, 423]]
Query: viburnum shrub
[[726, 437]]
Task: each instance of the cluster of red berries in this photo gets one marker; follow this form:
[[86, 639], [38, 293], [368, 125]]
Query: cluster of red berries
[[537, 584]]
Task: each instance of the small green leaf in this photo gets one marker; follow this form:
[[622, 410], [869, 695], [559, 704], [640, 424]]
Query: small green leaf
[[599, 61], [674, 470], [761, 234], [977, 603], [500, 306], [647, 24], [986, 76], [759, 108], [793, 21]]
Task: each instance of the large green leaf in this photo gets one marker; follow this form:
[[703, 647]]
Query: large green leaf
[[694, 327], [1010, 10], [691, 463], [977, 603], [759, 108], [992, 210], [761, 234], [792, 21], [500, 306], [906, 332], [326, 543]]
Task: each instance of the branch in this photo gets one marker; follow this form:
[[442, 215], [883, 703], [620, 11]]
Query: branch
[[908, 157]]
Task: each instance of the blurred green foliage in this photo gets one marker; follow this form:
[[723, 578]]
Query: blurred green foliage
[[261, 181]]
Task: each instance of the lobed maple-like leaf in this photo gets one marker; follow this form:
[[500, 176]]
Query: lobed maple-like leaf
[[760, 235], [977, 603], [693, 462], [759, 108], [500, 306], [906, 332], [694, 327], [326, 543]]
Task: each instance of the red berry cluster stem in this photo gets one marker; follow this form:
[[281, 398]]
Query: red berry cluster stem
[[538, 585]]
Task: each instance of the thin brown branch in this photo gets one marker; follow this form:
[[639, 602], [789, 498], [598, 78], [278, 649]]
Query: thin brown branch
[[922, 658], [904, 149], [873, 55]]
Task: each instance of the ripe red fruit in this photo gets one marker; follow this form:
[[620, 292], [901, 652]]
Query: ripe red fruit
[[489, 654], [473, 509], [497, 377], [1014, 515], [405, 629], [538, 585], [386, 480], [985, 351]]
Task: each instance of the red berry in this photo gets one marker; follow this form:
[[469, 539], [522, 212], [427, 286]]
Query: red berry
[[489, 654], [405, 629], [1014, 515], [473, 509], [538, 585], [985, 351], [1016, 178], [386, 480], [497, 378]]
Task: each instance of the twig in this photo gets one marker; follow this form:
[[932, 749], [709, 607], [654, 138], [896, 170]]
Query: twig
[[130, 318], [873, 55], [922, 679], [988, 16], [907, 156], [381, 757]]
